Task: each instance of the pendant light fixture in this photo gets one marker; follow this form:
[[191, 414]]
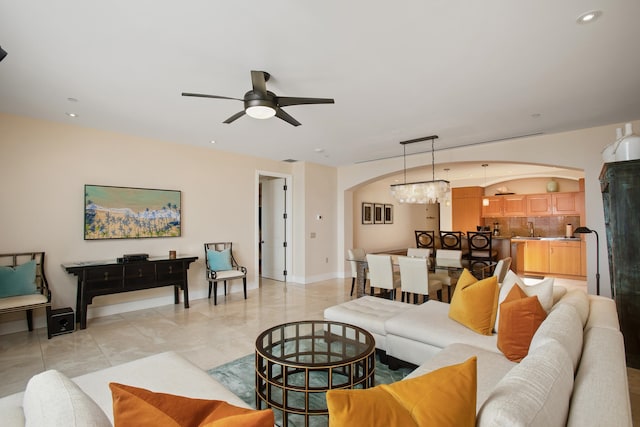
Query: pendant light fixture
[[423, 192], [485, 200]]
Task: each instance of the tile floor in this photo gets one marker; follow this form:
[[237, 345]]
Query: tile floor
[[205, 334]]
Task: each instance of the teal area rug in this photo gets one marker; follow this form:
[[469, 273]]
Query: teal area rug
[[239, 377]]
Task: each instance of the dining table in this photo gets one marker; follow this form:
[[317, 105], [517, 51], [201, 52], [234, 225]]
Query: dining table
[[480, 269]]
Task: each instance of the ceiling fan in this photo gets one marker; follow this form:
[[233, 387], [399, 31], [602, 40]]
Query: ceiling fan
[[260, 103]]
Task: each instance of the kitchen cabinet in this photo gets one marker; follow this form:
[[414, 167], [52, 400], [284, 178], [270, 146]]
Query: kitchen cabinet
[[536, 256], [555, 257], [567, 203], [507, 205], [565, 257], [514, 205], [539, 205], [494, 208], [466, 206]]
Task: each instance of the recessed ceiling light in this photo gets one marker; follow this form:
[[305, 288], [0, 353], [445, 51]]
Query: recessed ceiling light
[[71, 114], [319, 150], [589, 17], [213, 141]]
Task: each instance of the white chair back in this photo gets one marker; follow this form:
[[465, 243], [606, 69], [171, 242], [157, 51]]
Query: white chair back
[[381, 272], [501, 268], [415, 277], [419, 252], [449, 257]]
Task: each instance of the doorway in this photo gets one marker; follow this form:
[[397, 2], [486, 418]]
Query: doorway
[[274, 226]]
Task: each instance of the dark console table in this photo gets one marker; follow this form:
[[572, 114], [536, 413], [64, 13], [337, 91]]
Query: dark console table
[[110, 277]]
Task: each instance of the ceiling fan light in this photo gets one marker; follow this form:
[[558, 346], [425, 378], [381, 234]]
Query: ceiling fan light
[[260, 112]]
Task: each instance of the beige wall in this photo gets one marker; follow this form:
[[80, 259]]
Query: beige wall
[[44, 167]]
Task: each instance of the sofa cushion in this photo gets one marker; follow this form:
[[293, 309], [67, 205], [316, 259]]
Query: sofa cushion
[[491, 367], [561, 325], [475, 303], [579, 300], [521, 317], [558, 292], [602, 313], [166, 372], [534, 393], [53, 399], [413, 402], [429, 323], [369, 313], [543, 290], [602, 367], [141, 407]]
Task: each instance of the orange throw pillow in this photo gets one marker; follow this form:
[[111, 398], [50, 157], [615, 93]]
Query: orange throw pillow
[[520, 317], [475, 303], [133, 406], [444, 397]]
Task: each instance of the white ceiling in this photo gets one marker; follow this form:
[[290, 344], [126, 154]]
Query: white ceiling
[[468, 71]]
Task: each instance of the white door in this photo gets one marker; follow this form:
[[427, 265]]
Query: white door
[[273, 243]]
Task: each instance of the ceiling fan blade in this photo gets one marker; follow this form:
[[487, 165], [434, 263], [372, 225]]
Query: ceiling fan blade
[[280, 113], [259, 82], [284, 101], [201, 95], [235, 117]]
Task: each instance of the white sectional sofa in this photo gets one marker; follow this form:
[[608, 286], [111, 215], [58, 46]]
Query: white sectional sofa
[[165, 372], [574, 374]]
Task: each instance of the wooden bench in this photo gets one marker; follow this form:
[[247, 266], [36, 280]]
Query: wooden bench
[[27, 303]]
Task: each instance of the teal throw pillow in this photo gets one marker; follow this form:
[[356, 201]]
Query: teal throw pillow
[[219, 261], [19, 280]]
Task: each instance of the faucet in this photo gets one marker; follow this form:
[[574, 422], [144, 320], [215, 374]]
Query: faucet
[[531, 231]]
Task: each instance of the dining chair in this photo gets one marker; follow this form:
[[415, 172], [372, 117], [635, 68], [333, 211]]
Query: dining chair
[[425, 239], [501, 269], [357, 254], [452, 258], [451, 240], [480, 248], [382, 274], [415, 279]]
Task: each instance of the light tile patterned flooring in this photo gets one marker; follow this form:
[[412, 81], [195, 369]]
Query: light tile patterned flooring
[[205, 334]]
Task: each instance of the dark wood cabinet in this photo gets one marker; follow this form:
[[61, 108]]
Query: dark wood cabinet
[[110, 277], [620, 185]]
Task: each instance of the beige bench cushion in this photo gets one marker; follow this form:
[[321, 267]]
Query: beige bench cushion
[[22, 301]]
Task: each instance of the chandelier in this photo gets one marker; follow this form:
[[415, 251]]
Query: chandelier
[[423, 192]]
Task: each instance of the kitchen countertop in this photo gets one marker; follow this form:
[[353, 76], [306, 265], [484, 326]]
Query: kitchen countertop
[[562, 238]]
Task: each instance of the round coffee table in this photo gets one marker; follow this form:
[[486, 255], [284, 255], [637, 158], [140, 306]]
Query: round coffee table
[[296, 363]]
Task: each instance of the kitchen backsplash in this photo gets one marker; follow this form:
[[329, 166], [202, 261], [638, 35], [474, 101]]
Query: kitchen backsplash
[[544, 226]]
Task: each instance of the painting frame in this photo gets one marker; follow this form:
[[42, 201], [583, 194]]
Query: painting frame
[[378, 213], [112, 212], [367, 213], [388, 214]]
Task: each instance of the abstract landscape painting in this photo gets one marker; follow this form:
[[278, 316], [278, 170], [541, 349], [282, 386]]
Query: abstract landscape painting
[[130, 213]]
